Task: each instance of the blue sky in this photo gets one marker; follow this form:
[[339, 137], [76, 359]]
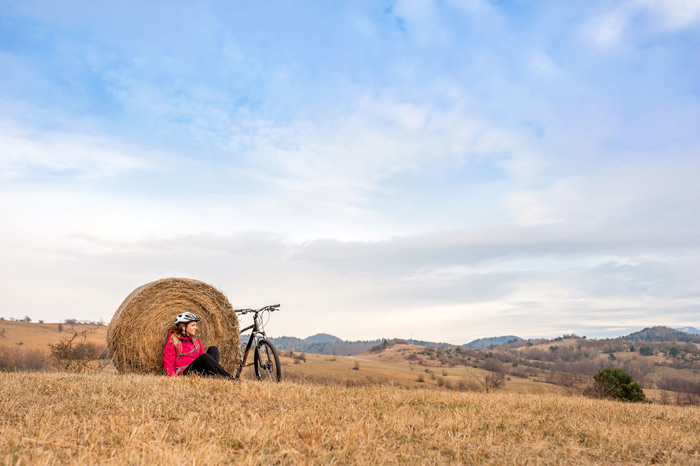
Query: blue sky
[[448, 170]]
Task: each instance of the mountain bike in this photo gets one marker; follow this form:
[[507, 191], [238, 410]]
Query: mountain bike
[[265, 359]]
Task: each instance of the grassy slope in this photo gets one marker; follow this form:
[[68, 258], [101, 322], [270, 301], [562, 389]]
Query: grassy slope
[[34, 336], [392, 366], [388, 366], [112, 419]]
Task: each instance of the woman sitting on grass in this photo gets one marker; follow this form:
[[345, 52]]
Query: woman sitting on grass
[[183, 353]]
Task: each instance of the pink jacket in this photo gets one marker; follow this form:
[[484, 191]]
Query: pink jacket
[[176, 360]]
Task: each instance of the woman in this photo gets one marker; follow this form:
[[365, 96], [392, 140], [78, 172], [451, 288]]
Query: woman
[[183, 353]]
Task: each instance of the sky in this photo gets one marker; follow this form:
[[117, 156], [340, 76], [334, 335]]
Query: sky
[[438, 170]]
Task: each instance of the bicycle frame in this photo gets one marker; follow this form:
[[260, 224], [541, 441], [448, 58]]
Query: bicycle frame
[[253, 338], [257, 332]]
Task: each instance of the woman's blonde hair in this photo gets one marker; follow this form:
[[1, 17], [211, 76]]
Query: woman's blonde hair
[[174, 338]]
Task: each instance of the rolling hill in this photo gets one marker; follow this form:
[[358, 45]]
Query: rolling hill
[[322, 338], [486, 342], [661, 333], [663, 360]]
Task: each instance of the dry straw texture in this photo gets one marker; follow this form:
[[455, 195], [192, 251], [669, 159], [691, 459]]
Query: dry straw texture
[[138, 331], [132, 419]]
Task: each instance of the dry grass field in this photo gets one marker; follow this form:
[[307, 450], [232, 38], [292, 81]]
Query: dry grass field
[[392, 368], [394, 406], [35, 336], [401, 365], [51, 418]]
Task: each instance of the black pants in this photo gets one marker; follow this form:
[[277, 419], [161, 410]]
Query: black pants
[[207, 364]]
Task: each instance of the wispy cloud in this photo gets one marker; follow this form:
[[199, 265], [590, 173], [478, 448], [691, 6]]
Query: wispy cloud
[[673, 14], [360, 153], [609, 28], [460, 277], [453, 169], [28, 152]]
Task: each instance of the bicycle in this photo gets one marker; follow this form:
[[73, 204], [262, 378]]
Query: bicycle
[[265, 359]]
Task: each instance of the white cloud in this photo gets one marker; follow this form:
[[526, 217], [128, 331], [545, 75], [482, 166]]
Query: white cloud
[[368, 167], [344, 160], [528, 208], [607, 30], [26, 152], [524, 165], [673, 14], [408, 116], [422, 20], [641, 195], [472, 6], [447, 286], [543, 66]]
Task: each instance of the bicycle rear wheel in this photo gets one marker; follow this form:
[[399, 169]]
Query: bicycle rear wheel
[[266, 362]]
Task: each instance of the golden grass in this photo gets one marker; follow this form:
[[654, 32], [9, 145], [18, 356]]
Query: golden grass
[[35, 336], [144, 419], [393, 368]]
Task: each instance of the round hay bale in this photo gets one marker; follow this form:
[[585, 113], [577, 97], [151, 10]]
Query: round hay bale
[[138, 331]]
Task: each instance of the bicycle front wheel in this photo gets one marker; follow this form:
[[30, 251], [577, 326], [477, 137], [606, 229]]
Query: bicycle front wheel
[[266, 362]]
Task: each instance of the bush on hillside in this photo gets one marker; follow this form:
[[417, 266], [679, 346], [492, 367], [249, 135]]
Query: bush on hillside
[[617, 384], [7, 364], [73, 353], [387, 344], [493, 381], [20, 359]]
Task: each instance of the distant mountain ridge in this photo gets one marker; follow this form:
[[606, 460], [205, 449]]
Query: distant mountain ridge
[[322, 338], [324, 343], [661, 333], [691, 330], [486, 342]]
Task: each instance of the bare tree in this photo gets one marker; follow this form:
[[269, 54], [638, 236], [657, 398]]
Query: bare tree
[[72, 354], [493, 381]]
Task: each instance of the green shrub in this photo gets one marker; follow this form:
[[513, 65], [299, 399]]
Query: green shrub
[[617, 384]]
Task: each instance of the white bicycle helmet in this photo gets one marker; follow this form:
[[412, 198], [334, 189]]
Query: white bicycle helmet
[[186, 317]]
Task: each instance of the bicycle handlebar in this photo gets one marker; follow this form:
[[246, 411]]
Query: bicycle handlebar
[[272, 307]]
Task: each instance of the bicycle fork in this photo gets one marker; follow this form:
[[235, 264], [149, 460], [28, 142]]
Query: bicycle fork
[[244, 360]]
